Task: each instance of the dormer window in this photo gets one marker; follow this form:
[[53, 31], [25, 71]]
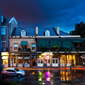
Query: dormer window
[[23, 33], [47, 33]]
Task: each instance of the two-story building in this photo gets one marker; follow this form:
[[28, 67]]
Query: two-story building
[[7, 26], [22, 47], [42, 42]]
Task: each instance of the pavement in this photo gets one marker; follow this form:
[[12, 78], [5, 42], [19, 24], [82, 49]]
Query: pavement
[[47, 68]]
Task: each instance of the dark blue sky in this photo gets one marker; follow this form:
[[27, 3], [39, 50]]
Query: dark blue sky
[[62, 13]]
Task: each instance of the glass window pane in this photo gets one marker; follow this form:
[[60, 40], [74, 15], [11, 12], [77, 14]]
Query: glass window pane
[[3, 31]]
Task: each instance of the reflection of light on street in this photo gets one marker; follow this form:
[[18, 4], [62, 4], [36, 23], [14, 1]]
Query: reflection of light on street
[[40, 79], [33, 72], [43, 83], [48, 79], [47, 74], [40, 74]]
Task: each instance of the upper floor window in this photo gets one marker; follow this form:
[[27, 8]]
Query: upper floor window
[[33, 47], [1, 18], [23, 33], [3, 31], [15, 45], [47, 33]]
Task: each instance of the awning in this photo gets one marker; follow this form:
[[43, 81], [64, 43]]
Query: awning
[[24, 43], [77, 41]]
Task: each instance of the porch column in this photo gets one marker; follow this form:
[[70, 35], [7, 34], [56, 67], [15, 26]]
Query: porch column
[[59, 60], [9, 63], [78, 60], [16, 61], [23, 60], [66, 60], [30, 60]]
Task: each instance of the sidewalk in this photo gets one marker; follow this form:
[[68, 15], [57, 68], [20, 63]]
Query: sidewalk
[[56, 68]]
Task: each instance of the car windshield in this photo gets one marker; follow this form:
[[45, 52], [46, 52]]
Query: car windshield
[[16, 69]]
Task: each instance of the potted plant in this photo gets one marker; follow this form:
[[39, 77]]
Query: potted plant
[[19, 49], [56, 47], [68, 49], [28, 49]]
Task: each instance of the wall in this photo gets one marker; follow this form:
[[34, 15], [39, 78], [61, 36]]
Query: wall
[[12, 41]]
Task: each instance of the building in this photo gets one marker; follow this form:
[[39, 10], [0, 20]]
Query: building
[[7, 26], [22, 41], [0, 46], [49, 47]]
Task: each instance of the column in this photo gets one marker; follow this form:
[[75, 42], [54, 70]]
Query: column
[[23, 60], [16, 61], [66, 60], [59, 60]]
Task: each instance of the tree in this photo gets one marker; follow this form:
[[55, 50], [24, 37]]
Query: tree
[[79, 30]]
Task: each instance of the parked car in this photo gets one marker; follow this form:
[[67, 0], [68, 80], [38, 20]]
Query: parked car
[[13, 72]]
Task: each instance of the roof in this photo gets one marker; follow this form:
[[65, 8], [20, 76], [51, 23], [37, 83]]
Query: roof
[[30, 31]]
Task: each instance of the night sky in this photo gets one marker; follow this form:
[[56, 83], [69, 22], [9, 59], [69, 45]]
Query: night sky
[[46, 13]]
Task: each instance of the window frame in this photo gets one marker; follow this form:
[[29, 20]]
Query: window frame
[[17, 47], [47, 32], [3, 31], [35, 47], [24, 32]]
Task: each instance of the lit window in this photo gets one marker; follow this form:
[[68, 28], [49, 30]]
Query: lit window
[[3, 31], [15, 47], [23, 33], [1, 18], [47, 33], [33, 47]]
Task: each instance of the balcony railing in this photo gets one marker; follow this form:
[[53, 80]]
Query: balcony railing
[[61, 49], [4, 49]]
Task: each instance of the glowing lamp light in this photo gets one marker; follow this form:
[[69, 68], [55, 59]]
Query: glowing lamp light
[[47, 56]]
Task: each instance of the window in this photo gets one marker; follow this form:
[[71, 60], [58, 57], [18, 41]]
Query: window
[[23, 33], [33, 47], [1, 18], [15, 47], [3, 46], [47, 33], [3, 31]]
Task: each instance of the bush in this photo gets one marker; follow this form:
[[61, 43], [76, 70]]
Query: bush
[[28, 49]]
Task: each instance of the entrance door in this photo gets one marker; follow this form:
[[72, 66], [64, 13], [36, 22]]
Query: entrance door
[[48, 62], [55, 62], [13, 62], [40, 62]]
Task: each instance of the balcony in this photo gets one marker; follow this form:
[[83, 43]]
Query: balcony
[[45, 49], [4, 49]]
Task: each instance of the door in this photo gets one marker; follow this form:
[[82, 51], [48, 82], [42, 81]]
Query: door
[[11, 73], [40, 62], [13, 62], [55, 62], [48, 62]]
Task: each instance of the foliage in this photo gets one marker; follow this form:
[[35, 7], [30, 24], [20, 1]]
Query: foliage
[[19, 48], [28, 49], [56, 47], [67, 49], [79, 30]]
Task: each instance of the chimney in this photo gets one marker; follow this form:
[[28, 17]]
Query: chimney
[[58, 30], [36, 30]]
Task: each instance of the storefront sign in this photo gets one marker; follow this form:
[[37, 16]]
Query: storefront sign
[[26, 57], [20, 57]]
